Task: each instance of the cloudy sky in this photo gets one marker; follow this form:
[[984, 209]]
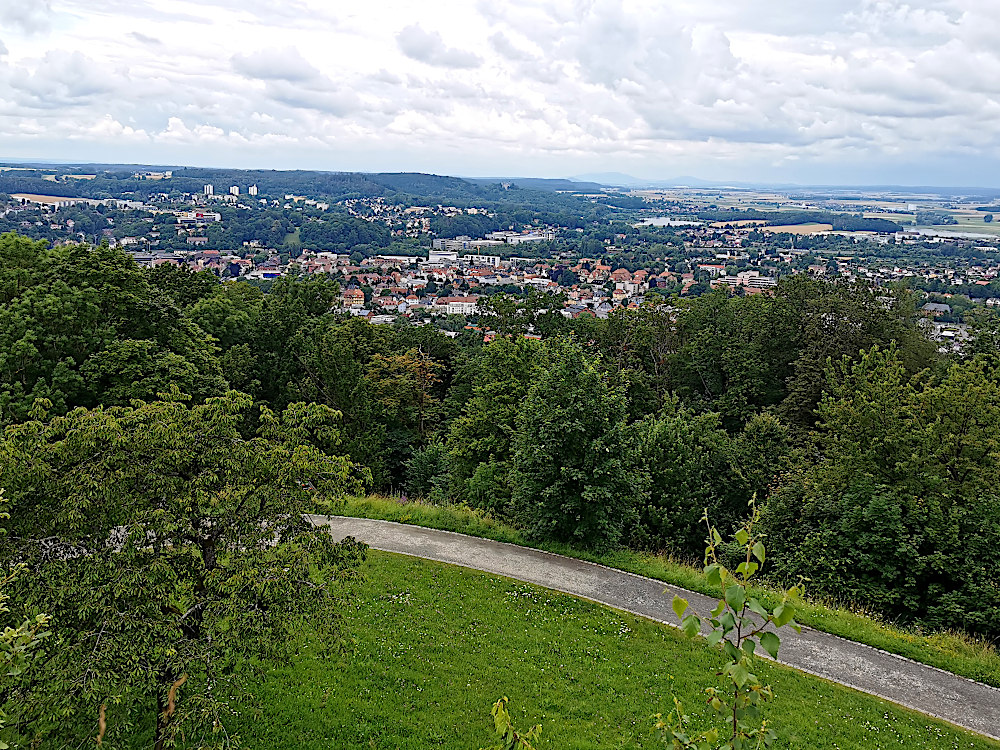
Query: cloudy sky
[[837, 91]]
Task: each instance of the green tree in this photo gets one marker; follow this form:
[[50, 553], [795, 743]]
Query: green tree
[[739, 623], [229, 314], [169, 544], [514, 314], [838, 320], [574, 477], [480, 439], [901, 512], [81, 326], [688, 458], [18, 644], [183, 285]]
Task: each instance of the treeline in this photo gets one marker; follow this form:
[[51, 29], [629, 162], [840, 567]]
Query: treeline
[[839, 222], [872, 456], [405, 188]]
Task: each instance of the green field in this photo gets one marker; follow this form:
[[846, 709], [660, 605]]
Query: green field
[[953, 652], [437, 644]]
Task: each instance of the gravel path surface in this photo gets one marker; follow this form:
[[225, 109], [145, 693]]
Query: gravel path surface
[[926, 689]]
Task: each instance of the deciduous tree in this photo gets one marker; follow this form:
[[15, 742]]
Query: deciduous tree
[[168, 542]]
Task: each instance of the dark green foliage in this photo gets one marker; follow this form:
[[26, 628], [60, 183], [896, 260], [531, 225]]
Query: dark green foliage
[[82, 326], [574, 476], [168, 540], [902, 511], [427, 472], [835, 321], [480, 438], [183, 286], [732, 354], [688, 459], [605, 431]]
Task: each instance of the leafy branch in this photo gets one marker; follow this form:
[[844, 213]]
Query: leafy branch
[[739, 622], [508, 737]]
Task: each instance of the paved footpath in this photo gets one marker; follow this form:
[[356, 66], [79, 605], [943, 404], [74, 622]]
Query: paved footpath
[[926, 689]]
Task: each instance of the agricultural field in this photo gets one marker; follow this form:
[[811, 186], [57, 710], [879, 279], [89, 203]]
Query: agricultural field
[[800, 228], [971, 222], [900, 217]]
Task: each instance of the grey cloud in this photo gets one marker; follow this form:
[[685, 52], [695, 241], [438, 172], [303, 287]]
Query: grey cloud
[[384, 76], [332, 100], [510, 51], [428, 47], [62, 79], [144, 39], [843, 82], [3, 48], [275, 65], [292, 81], [26, 15]]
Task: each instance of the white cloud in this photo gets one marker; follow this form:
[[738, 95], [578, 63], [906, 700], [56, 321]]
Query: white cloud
[[721, 89]]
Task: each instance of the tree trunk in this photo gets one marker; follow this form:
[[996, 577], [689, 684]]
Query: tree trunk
[[160, 738]]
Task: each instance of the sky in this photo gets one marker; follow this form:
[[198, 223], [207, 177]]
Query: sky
[[830, 92]]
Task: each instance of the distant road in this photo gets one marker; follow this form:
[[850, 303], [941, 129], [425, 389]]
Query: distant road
[[932, 691]]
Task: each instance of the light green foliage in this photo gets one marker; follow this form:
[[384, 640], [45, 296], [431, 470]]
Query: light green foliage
[[167, 541], [228, 313], [740, 622], [508, 738], [404, 388]]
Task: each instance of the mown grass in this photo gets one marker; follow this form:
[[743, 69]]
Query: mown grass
[[436, 645], [953, 652]]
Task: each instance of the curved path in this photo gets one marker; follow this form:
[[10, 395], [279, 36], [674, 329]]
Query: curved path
[[926, 689]]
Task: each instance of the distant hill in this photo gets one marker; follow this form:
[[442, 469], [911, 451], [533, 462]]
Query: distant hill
[[116, 179], [541, 183]]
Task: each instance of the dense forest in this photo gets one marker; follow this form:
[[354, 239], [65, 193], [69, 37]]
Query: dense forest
[[871, 455]]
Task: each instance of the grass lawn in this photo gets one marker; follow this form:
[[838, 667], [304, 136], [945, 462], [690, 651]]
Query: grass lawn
[[436, 645], [956, 653]]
